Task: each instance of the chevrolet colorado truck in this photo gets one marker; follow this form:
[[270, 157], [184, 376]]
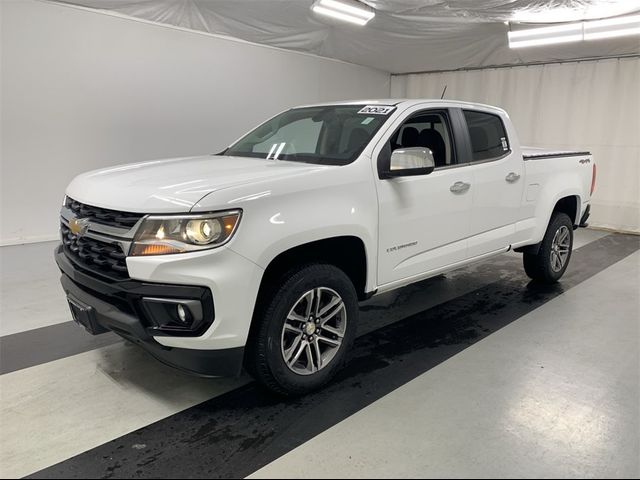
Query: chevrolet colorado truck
[[258, 256]]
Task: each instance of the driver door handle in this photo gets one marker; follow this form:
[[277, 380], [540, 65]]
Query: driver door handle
[[512, 177], [460, 187]]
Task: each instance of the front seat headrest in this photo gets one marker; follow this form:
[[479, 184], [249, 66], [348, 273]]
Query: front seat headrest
[[432, 140], [410, 137]]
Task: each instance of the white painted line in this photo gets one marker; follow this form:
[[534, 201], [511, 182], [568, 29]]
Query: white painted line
[[54, 411]]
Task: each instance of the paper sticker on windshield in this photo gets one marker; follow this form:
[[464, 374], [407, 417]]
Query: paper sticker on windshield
[[505, 146], [367, 121], [376, 110]]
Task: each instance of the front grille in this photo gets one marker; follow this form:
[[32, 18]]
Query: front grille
[[103, 216], [104, 258]]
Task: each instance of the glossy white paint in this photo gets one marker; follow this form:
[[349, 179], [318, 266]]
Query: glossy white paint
[[174, 185], [422, 225], [548, 180], [233, 280], [411, 227], [496, 200]]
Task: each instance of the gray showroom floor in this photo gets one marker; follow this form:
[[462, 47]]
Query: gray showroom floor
[[475, 373]]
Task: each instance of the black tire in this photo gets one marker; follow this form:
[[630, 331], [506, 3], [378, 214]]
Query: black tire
[[265, 359], [540, 267]]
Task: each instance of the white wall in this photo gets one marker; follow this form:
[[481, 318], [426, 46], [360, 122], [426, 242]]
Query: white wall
[[587, 105], [82, 90]]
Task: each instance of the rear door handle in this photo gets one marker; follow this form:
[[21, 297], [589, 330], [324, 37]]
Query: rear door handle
[[460, 187], [512, 177]]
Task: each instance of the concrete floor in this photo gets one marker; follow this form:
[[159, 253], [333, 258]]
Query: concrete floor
[[553, 395], [443, 384]]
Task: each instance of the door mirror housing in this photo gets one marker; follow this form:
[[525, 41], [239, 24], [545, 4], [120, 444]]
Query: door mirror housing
[[410, 161]]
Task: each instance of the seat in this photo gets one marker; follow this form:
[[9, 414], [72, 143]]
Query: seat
[[431, 139], [357, 139], [410, 138]]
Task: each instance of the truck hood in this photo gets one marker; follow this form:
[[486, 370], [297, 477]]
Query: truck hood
[[175, 185]]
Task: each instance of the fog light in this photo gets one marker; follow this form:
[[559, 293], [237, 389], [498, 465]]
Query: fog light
[[182, 313], [173, 315]]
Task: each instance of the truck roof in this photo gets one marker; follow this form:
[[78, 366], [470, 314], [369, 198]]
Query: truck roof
[[406, 102]]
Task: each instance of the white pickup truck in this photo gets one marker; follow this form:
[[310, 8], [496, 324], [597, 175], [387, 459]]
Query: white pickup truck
[[258, 255]]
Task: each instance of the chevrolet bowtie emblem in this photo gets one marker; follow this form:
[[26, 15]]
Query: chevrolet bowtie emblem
[[79, 226]]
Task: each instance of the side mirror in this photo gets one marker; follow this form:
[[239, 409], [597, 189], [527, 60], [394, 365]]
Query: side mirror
[[410, 161]]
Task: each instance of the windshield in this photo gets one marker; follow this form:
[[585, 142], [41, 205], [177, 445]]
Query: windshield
[[329, 135]]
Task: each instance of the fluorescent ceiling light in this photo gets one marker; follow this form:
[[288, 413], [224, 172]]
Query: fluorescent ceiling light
[[558, 30], [612, 33], [545, 35], [575, 32], [612, 27], [351, 11], [353, 8], [338, 15], [611, 22], [574, 11], [546, 41]]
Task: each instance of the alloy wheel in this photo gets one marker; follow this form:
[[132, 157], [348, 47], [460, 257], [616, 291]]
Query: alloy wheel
[[560, 248], [313, 331]]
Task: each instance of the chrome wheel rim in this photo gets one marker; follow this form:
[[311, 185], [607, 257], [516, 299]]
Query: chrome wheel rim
[[560, 248], [313, 331]]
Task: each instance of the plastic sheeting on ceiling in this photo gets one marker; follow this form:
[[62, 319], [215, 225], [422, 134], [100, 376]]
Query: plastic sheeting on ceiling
[[405, 35]]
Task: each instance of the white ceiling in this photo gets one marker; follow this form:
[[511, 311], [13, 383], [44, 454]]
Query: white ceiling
[[405, 35]]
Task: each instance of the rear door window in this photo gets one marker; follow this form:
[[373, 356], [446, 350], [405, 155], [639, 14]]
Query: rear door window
[[487, 135]]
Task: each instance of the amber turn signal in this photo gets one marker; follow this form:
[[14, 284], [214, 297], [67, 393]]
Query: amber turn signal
[[154, 249]]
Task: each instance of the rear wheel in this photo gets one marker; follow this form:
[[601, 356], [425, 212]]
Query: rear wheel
[[304, 331], [552, 259]]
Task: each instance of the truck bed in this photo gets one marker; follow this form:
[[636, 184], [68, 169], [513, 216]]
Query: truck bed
[[534, 153]]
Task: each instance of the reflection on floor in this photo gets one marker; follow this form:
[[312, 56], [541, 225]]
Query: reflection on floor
[[474, 373]]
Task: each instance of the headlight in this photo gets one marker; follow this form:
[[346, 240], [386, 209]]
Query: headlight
[[159, 235]]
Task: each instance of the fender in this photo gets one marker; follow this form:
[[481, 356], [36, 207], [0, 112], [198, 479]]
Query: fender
[[551, 194], [326, 203]]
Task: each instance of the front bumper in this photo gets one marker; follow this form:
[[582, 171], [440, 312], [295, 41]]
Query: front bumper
[[117, 306]]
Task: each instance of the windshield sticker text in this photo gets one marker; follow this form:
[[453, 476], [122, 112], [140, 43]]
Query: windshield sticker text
[[376, 110]]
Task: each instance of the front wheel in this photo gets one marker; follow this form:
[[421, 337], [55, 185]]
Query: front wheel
[[304, 331], [552, 259]]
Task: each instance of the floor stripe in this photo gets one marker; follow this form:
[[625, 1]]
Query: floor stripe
[[237, 433], [46, 344], [40, 345]]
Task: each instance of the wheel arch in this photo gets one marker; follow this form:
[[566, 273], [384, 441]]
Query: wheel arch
[[347, 252], [569, 204]]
